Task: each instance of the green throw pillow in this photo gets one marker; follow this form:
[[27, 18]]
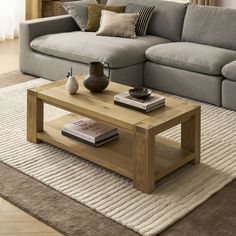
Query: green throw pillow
[[94, 15]]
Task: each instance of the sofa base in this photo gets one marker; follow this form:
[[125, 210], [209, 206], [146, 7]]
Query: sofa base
[[54, 68], [229, 94], [189, 84]]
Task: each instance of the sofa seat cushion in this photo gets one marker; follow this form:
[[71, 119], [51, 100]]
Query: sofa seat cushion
[[192, 57], [229, 71], [85, 47]]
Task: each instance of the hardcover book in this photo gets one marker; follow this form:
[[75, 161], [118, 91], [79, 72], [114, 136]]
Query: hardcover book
[[140, 109], [90, 130], [97, 144], [145, 104]]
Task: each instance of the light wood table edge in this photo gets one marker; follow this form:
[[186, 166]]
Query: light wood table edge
[[35, 110], [144, 176], [144, 140]]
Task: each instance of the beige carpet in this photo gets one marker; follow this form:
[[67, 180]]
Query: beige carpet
[[109, 193]]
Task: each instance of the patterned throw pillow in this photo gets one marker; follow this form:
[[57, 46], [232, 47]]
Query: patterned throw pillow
[[95, 12], [145, 14]]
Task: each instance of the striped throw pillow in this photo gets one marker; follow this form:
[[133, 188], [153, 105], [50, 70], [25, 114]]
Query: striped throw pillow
[[145, 14]]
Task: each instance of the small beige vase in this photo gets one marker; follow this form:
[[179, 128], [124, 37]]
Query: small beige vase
[[72, 85]]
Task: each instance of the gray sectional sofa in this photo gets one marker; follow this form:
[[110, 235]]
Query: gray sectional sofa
[[190, 51]]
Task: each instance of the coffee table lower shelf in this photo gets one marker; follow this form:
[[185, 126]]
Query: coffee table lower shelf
[[116, 155]]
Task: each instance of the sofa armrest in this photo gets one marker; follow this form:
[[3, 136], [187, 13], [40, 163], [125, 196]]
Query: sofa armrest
[[229, 71], [51, 25], [34, 28]]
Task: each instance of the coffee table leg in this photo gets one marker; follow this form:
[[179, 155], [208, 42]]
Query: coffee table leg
[[34, 116], [144, 166], [190, 135]]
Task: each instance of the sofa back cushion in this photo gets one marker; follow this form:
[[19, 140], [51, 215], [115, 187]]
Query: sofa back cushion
[[213, 26], [167, 20]]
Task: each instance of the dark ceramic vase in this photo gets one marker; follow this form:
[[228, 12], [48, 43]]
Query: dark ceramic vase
[[97, 81]]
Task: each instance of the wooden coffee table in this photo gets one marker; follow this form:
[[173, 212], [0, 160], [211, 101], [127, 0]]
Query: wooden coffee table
[[140, 153]]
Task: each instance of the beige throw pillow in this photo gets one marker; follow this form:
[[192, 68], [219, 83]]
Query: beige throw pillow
[[118, 24]]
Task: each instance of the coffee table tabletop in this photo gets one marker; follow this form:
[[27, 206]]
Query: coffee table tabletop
[[140, 153]]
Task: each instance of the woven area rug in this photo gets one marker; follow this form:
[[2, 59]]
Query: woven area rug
[[111, 194]]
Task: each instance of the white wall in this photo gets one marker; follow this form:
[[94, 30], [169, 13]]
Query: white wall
[[226, 3]]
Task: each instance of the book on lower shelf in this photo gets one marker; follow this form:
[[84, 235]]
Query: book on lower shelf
[[90, 132], [149, 104]]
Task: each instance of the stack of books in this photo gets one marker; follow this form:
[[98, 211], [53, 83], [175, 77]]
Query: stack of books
[[144, 105], [90, 132]]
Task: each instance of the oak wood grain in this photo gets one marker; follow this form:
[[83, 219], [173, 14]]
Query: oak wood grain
[[34, 116], [144, 161], [190, 135], [140, 153]]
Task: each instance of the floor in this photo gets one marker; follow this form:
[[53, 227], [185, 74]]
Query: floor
[[9, 59], [13, 221]]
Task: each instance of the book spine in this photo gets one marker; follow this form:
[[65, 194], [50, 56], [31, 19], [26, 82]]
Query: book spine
[[75, 137], [155, 107], [107, 141], [106, 135], [130, 106], [80, 135], [138, 104], [129, 102], [87, 142], [139, 109]]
